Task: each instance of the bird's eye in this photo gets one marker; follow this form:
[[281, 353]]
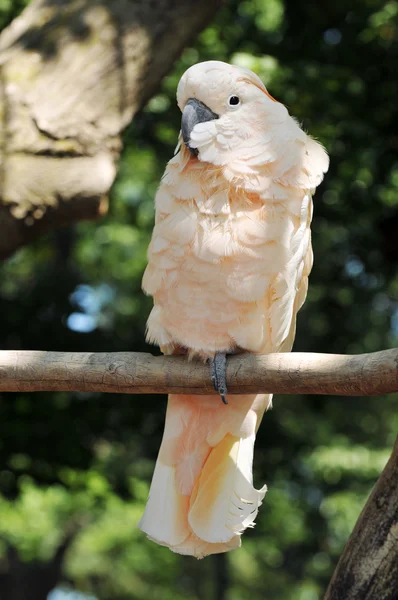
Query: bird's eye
[[233, 101]]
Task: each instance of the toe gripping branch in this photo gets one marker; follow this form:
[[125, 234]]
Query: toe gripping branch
[[218, 370]]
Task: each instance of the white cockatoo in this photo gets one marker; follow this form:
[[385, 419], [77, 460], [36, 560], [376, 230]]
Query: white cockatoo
[[228, 270]]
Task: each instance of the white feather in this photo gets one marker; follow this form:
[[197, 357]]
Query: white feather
[[164, 519], [226, 501], [193, 546]]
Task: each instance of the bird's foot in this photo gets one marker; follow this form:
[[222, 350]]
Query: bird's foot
[[218, 370]]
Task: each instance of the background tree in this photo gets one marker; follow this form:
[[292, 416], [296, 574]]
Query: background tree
[[75, 468], [73, 75]]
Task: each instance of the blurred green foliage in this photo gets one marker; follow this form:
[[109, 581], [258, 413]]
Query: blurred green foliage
[[80, 464]]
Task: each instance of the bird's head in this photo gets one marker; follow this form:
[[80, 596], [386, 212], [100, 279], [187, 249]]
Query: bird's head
[[231, 121], [225, 108]]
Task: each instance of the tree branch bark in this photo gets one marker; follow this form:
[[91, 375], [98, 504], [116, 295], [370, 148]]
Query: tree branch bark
[[33, 580], [72, 76], [140, 373], [368, 567]]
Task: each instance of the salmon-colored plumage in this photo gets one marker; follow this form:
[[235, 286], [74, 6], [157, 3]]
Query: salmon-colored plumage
[[228, 270]]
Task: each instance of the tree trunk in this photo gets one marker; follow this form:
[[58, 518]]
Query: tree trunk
[[368, 567], [72, 75], [31, 580]]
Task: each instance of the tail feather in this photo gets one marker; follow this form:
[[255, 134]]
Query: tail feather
[[202, 496], [165, 519], [224, 501], [194, 546]]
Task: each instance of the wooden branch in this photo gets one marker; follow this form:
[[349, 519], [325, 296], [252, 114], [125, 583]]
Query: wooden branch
[[139, 373], [368, 567], [72, 75]]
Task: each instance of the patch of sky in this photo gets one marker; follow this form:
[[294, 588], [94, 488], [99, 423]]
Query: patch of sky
[[354, 267], [63, 594], [394, 321], [332, 36], [90, 300]]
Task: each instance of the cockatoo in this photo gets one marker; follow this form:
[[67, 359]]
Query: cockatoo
[[228, 268]]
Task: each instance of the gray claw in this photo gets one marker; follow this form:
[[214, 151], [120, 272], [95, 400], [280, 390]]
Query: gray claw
[[218, 370]]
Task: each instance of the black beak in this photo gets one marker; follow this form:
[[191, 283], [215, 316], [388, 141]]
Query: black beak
[[194, 112]]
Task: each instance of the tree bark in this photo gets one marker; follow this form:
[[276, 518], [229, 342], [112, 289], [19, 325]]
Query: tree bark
[[368, 567], [32, 580], [72, 75], [140, 373]]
